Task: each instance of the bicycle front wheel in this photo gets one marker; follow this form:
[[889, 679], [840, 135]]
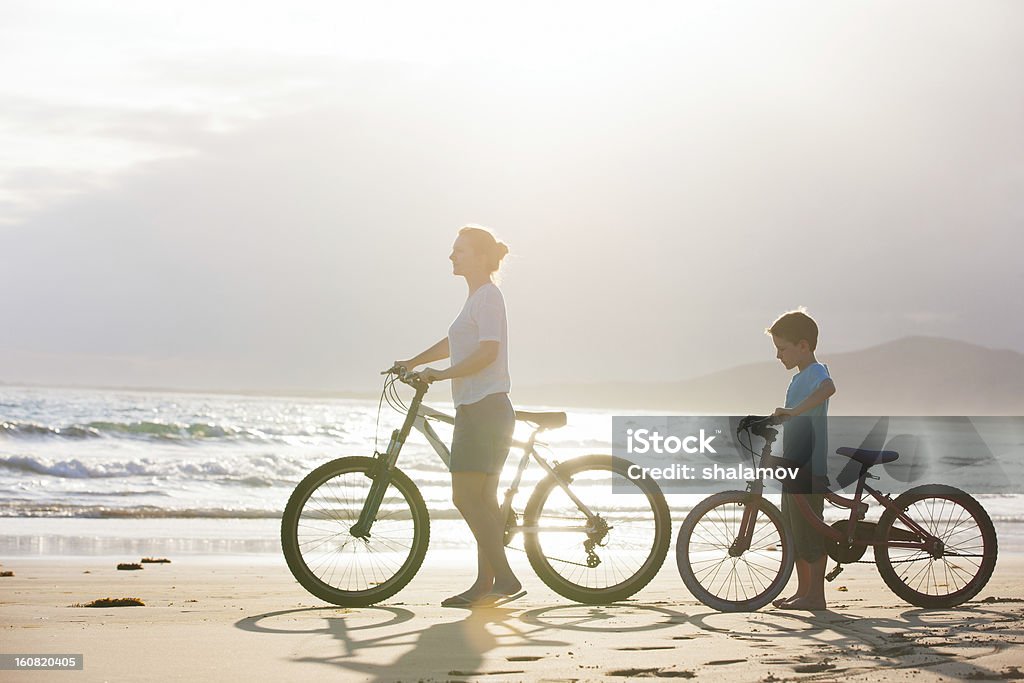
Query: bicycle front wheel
[[961, 559], [328, 560], [610, 554], [715, 567]]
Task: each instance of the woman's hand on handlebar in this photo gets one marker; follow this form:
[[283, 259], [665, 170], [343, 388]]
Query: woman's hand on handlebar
[[402, 369], [430, 375]]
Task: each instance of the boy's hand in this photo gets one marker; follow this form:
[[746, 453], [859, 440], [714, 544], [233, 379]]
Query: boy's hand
[[783, 414]]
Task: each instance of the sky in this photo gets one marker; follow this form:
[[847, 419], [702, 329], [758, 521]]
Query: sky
[[263, 196]]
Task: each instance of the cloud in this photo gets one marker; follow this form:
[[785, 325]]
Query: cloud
[[662, 205]]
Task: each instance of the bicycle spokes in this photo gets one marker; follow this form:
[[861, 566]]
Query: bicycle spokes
[[603, 542], [337, 564], [953, 552], [733, 553], [726, 562]]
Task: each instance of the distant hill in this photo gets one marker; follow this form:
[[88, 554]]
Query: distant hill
[[910, 376]]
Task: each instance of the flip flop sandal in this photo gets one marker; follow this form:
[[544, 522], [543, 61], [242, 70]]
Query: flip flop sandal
[[801, 608], [498, 599], [457, 601]]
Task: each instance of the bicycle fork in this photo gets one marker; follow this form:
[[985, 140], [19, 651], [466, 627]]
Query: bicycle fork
[[380, 473], [746, 533]]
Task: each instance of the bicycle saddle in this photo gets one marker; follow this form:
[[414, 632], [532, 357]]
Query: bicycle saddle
[[543, 420], [866, 457]]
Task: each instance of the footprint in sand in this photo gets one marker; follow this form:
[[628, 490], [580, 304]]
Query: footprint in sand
[[651, 673], [814, 668], [483, 673]]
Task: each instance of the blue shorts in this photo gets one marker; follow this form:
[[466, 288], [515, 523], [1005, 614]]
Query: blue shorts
[[483, 435]]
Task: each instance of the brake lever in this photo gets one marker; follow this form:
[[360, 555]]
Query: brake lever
[[398, 371]]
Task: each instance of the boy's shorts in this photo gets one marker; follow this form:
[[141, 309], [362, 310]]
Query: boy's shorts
[[808, 541]]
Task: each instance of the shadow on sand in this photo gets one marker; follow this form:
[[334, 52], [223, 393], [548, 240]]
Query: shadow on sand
[[842, 644], [465, 641]]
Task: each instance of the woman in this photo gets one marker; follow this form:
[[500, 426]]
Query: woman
[[477, 343]]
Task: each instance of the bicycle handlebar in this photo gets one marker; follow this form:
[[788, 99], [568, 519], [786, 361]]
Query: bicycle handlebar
[[760, 425], [405, 376], [753, 421]]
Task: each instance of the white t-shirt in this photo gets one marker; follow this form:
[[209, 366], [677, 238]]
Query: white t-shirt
[[482, 319]]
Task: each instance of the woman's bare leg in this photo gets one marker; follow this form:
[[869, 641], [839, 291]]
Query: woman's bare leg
[[475, 496]]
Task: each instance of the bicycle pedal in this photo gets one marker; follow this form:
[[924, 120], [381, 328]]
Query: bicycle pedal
[[834, 573]]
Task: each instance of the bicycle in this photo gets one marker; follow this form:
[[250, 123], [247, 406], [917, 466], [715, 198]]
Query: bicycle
[[355, 530], [934, 545]]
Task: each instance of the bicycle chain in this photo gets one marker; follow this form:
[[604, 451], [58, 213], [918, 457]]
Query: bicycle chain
[[918, 559], [556, 559], [582, 564]]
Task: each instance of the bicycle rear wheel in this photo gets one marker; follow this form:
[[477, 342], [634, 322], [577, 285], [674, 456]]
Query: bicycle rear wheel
[[328, 560], [609, 556], [958, 568], [720, 576]]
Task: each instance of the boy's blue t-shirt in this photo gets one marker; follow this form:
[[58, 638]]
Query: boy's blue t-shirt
[[805, 437], [803, 384]]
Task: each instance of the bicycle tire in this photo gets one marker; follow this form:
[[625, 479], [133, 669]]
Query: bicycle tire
[[630, 551], [705, 538], [332, 564], [962, 524]]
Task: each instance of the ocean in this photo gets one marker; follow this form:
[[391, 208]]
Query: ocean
[[86, 471], [89, 471]]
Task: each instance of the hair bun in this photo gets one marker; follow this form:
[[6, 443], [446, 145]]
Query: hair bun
[[483, 242]]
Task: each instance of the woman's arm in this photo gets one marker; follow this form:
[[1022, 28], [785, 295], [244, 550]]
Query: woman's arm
[[484, 355], [438, 351]]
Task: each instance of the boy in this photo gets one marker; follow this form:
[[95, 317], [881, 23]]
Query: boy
[[804, 440]]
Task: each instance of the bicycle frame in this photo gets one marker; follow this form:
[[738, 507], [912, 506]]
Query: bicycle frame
[[418, 417], [919, 541], [858, 510]]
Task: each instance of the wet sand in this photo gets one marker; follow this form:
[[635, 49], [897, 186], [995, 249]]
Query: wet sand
[[245, 618]]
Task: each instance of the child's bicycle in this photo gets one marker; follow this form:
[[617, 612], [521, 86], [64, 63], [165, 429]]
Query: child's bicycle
[[934, 545], [355, 530]]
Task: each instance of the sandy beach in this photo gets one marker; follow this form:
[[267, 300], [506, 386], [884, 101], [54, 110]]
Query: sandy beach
[[243, 617]]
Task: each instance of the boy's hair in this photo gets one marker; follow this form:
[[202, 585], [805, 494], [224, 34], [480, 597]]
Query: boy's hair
[[795, 326]]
